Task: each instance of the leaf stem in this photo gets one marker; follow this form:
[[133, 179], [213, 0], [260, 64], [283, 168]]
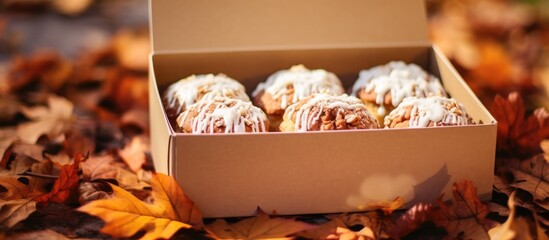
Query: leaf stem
[[38, 175]]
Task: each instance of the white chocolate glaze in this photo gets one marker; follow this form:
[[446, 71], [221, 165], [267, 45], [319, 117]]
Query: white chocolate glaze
[[233, 114], [186, 91], [399, 79], [304, 82], [441, 111], [304, 117]]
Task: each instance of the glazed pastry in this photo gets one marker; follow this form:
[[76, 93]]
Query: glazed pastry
[[321, 112], [223, 115], [287, 87], [428, 112], [383, 87], [192, 89]]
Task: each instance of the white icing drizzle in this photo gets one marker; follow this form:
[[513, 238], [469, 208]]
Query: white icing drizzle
[[234, 114], [186, 91], [304, 119], [438, 110], [304, 81], [400, 79]]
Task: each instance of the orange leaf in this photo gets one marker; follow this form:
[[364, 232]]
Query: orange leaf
[[516, 132], [65, 187], [125, 215], [465, 216], [259, 227]]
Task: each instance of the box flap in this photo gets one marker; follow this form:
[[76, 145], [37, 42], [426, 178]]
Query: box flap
[[204, 25]]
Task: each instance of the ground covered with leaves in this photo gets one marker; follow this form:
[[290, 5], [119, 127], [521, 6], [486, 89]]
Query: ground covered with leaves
[[74, 138]]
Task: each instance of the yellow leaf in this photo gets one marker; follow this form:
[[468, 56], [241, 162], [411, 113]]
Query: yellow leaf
[[125, 215]]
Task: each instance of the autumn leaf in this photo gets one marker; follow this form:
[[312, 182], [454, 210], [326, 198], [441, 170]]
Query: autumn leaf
[[41, 234], [324, 230], [513, 228], [518, 133], [7, 137], [51, 121], [530, 176], [261, 226], [134, 153], [125, 215], [101, 167], [465, 215], [11, 188], [48, 67], [10, 108], [13, 211], [64, 188], [411, 220]]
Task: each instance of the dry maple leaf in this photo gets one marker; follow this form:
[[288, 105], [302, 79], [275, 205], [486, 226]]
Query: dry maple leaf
[[465, 215], [529, 175], [125, 215], [133, 154], [261, 226], [65, 187], [14, 211], [516, 132], [101, 167], [51, 121], [515, 227], [11, 188]]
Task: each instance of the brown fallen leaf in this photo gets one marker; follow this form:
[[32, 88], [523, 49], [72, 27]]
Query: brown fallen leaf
[[261, 226], [518, 133], [13, 211], [513, 228], [133, 154], [46, 67], [531, 176], [104, 167], [125, 215], [130, 91], [41, 234], [12, 189], [63, 219], [65, 187], [465, 215], [51, 121], [91, 191], [324, 230], [136, 118], [10, 108], [8, 135], [100, 167]]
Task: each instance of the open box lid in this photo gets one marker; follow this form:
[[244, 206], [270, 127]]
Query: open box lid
[[206, 25]]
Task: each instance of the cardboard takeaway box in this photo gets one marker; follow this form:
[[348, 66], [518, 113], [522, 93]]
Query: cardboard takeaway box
[[314, 172]]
